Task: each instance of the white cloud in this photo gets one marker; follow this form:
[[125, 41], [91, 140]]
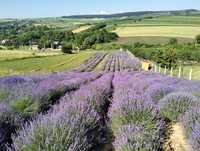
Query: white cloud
[[103, 12]]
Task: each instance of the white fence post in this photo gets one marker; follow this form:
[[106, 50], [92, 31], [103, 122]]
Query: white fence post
[[155, 68], [159, 69], [179, 72], [165, 72], [190, 76], [171, 72]]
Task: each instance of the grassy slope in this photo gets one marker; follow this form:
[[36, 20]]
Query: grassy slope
[[20, 54], [43, 64], [185, 73]]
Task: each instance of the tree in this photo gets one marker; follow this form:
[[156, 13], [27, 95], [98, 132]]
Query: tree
[[173, 41], [171, 57], [197, 39], [67, 48], [167, 57]]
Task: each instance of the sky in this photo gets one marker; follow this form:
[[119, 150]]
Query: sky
[[56, 8]]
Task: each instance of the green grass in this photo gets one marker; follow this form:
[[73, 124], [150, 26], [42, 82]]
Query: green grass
[[162, 21], [151, 40], [185, 73], [22, 54], [162, 31], [45, 64]]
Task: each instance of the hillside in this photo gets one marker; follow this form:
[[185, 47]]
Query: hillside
[[138, 14]]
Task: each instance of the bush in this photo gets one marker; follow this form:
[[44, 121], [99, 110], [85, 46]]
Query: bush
[[195, 137], [173, 41], [190, 118], [176, 104], [197, 39], [25, 107], [137, 126], [67, 48]]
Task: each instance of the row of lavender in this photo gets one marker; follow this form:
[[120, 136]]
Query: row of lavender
[[78, 123], [92, 62], [120, 60], [144, 103], [23, 97]]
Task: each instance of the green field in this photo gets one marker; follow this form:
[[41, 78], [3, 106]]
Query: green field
[[151, 40], [162, 21], [162, 31], [158, 29], [185, 71], [47, 64], [23, 54]]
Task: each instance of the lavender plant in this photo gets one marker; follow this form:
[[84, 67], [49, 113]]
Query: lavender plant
[[74, 124], [176, 104]]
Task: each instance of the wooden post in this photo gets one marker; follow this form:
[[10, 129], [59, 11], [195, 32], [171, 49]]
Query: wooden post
[[190, 76], [171, 72], [179, 72], [165, 72]]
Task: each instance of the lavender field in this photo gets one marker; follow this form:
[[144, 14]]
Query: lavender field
[[120, 108]]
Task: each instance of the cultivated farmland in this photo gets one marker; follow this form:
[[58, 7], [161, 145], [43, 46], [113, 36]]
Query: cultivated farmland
[[162, 31], [115, 107], [23, 62]]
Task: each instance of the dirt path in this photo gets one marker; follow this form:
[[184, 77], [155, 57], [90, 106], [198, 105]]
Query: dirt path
[[177, 140]]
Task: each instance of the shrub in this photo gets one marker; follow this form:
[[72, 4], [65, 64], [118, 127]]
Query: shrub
[[144, 131], [158, 91], [67, 48], [132, 137], [194, 139], [173, 41], [176, 104], [25, 107], [190, 118], [197, 39], [3, 94], [67, 130]]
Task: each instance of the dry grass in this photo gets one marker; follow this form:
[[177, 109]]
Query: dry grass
[[163, 31], [82, 28]]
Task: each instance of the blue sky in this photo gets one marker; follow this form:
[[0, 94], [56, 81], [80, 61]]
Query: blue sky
[[50, 8]]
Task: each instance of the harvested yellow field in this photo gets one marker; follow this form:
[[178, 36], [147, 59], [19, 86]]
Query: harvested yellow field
[[164, 31], [82, 28]]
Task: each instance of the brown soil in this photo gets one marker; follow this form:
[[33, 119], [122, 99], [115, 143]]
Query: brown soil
[[177, 140]]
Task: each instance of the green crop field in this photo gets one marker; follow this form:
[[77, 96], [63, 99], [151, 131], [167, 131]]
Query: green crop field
[[23, 54], [27, 64], [151, 40], [162, 21], [158, 29]]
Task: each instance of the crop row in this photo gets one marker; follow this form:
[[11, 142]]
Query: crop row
[[22, 98], [120, 60], [92, 62], [127, 110], [144, 104], [77, 123]]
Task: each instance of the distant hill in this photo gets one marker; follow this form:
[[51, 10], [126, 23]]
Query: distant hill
[[138, 14]]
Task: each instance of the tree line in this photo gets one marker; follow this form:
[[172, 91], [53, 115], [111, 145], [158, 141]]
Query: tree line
[[48, 37], [168, 55]]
